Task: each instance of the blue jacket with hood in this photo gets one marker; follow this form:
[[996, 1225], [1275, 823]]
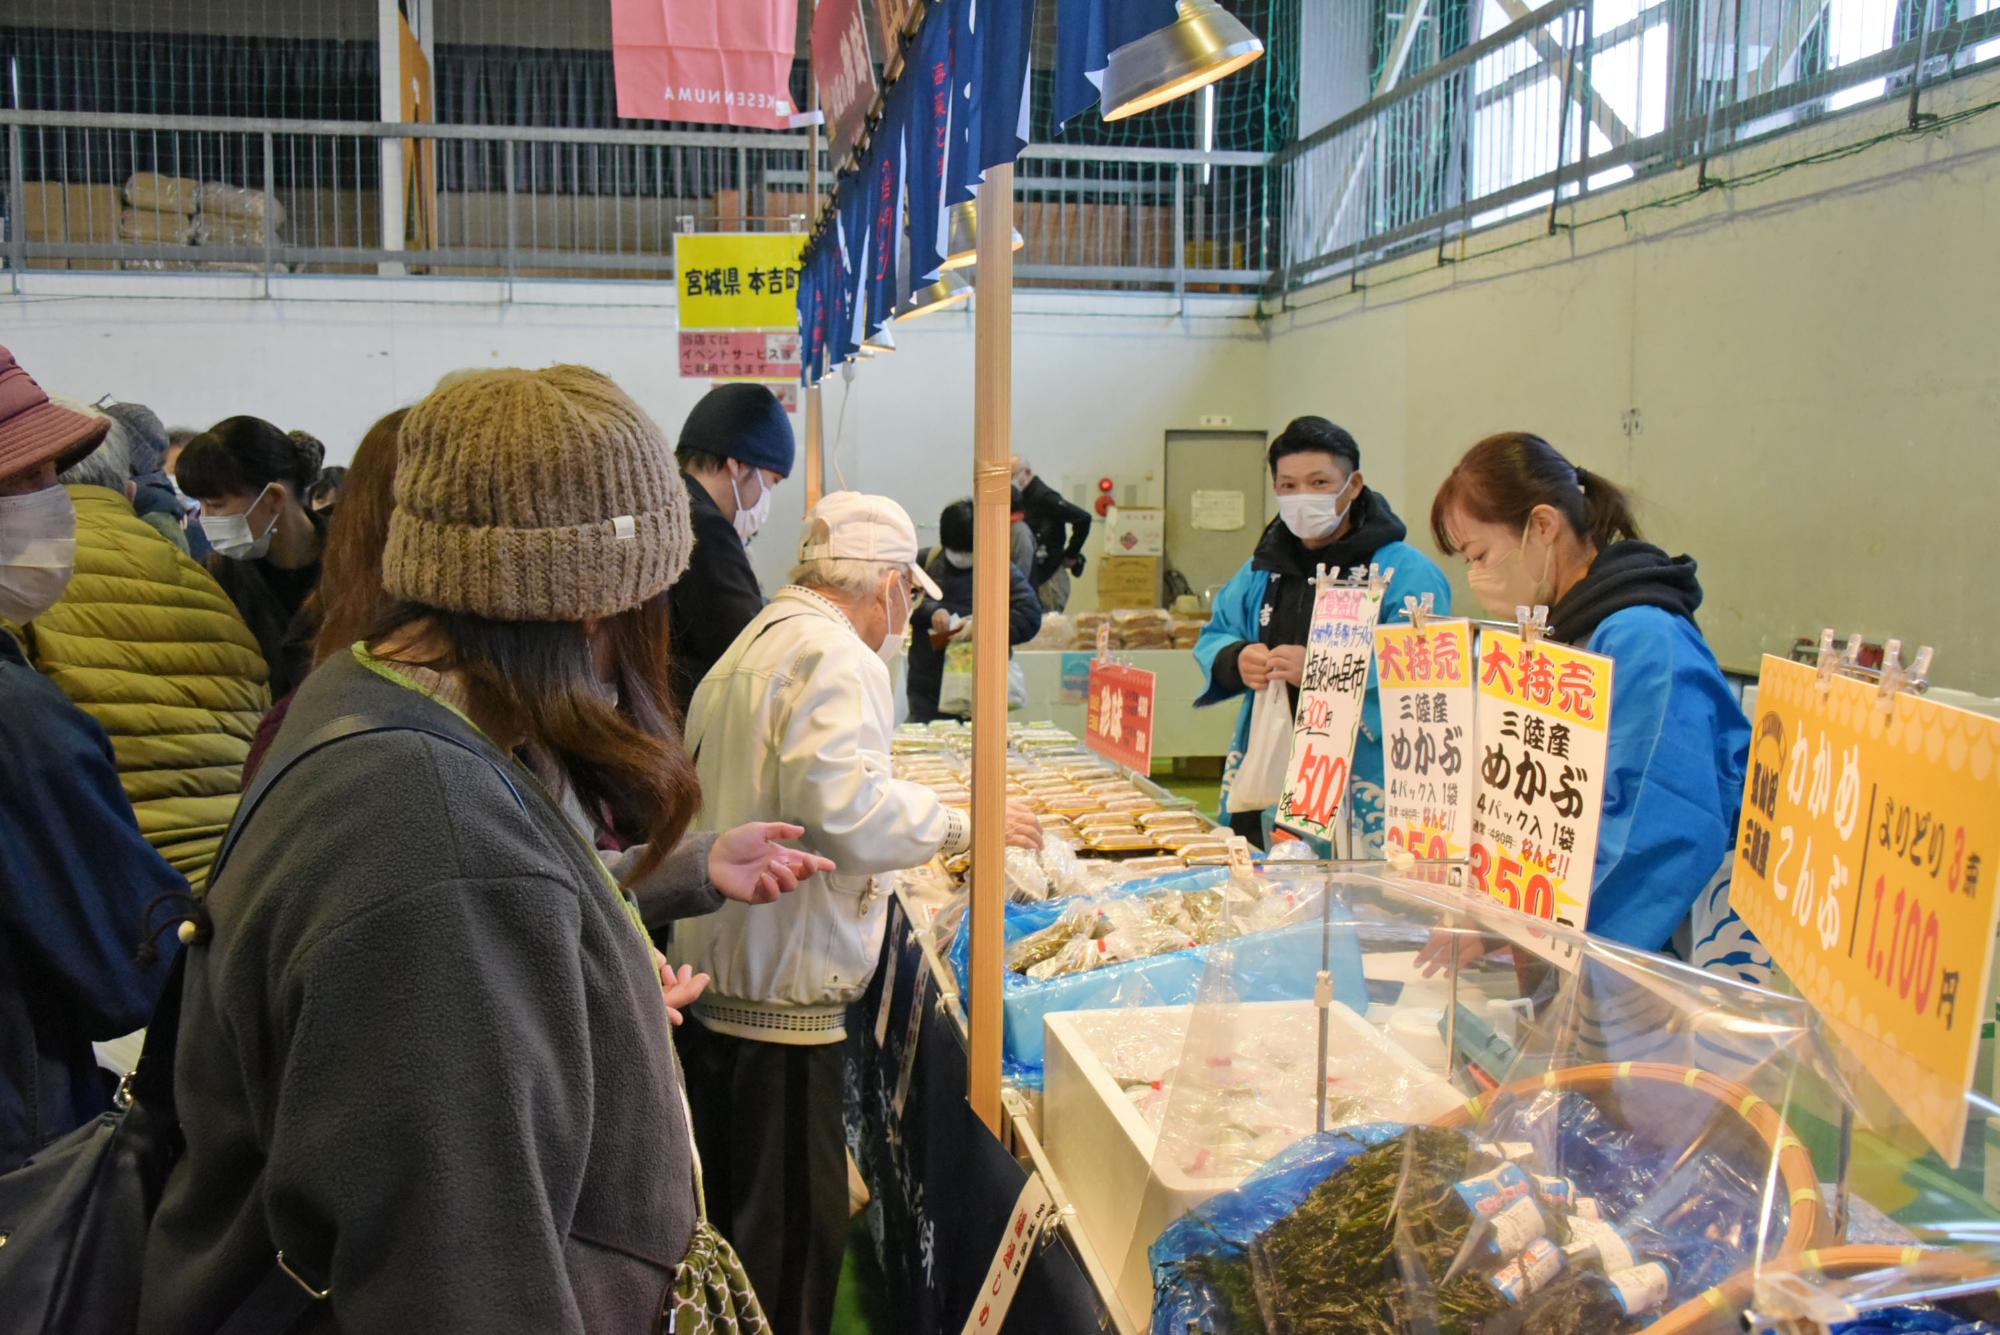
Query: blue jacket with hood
[[1270, 602], [1678, 746]]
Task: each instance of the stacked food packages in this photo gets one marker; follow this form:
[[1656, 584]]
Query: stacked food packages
[[1131, 629], [1089, 812]]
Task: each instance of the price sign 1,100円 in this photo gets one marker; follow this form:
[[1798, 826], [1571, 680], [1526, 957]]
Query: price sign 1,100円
[[1863, 865]]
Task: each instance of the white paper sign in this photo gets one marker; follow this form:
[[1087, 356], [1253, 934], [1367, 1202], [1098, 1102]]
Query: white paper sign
[[1544, 726], [1217, 511], [1034, 1209], [1135, 531], [1339, 649], [1430, 764]]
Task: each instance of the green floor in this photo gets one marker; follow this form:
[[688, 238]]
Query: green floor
[[1205, 793], [862, 1305]]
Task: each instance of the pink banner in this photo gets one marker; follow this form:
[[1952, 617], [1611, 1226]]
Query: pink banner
[[725, 62], [846, 78]]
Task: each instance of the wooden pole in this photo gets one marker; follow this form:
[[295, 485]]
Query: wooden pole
[[992, 387], [815, 456], [815, 419]]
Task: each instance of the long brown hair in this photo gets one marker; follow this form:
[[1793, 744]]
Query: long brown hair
[[1503, 478], [349, 598], [623, 760]]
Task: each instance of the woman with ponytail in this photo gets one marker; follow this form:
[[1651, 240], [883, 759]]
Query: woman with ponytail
[[1534, 529], [265, 544]]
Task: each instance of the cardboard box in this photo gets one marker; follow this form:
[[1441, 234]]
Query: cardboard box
[[1128, 581], [60, 213]]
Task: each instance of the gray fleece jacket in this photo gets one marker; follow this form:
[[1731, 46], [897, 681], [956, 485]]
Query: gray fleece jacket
[[424, 1053]]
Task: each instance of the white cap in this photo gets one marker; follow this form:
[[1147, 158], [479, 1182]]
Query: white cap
[[852, 526]]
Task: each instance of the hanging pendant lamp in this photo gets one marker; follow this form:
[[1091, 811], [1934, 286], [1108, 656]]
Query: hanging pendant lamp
[[1204, 44], [880, 341], [962, 241], [951, 289]]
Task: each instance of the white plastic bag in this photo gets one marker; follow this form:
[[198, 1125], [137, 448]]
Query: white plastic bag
[[955, 687], [1260, 779]]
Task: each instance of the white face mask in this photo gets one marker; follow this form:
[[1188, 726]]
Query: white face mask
[[1504, 585], [37, 552], [891, 647], [958, 560], [230, 535], [1313, 515], [750, 518]]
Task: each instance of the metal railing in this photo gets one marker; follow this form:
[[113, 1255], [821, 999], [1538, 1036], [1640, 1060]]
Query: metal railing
[[1554, 105], [532, 202], [1547, 105]]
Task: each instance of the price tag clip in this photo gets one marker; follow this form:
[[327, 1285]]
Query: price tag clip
[[1896, 678], [1534, 623], [1827, 661], [1419, 610], [1378, 579]]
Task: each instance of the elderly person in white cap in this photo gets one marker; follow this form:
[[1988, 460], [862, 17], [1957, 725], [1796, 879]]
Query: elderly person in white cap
[[796, 717]]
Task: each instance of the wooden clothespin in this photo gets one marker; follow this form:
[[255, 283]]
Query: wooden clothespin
[[1104, 643], [1534, 622], [1827, 661], [1418, 610]]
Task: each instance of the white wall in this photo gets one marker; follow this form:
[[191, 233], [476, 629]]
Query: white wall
[[1099, 381], [1812, 360]]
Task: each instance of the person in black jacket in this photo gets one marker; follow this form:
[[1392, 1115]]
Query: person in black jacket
[[935, 622], [735, 447], [1061, 528], [252, 480]]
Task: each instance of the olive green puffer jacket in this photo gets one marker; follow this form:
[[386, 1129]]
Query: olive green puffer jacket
[[146, 643]]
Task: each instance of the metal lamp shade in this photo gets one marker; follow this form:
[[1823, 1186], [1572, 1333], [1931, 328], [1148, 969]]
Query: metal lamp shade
[[951, 289], [1204, 44], [962, 241], [879, 341]]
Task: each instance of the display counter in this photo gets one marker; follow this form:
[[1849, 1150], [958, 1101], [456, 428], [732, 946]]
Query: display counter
[[1219, 1070], [1176, 1139]]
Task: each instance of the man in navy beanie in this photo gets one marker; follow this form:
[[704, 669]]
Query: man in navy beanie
[[735, 447]]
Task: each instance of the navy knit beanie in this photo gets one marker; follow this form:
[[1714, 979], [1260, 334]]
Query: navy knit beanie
[[744, 422]]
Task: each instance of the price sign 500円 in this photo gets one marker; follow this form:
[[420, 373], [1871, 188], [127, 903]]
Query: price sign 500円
[[1864, 863]]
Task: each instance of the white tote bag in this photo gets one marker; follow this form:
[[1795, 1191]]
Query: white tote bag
[[1260, 779]]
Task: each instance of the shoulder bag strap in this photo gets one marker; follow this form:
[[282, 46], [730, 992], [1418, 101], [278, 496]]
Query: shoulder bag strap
[[283, 1295]]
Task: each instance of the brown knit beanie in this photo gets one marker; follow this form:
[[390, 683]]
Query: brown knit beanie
[[534, 496]]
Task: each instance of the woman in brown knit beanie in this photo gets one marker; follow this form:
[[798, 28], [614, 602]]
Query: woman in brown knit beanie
[[424, 1048]]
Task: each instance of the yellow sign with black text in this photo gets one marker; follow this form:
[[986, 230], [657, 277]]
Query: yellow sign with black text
[[738, 280], [1864, 864]]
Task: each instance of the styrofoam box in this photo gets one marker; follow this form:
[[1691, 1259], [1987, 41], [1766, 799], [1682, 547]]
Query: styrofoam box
[[1102, 1148]]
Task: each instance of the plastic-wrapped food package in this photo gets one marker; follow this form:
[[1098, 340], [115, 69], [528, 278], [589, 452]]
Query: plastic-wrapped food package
[[1027, 882]]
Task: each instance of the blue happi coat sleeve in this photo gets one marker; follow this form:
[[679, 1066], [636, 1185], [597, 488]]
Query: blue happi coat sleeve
[[1677, 749], [1233, 621]]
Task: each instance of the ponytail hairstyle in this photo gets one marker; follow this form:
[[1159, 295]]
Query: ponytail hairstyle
[[1503, 478], [243, 455]]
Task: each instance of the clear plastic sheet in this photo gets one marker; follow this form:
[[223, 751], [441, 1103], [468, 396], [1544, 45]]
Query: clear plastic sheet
[[1132, 943], [1524, 1129], [1613, 1125]]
